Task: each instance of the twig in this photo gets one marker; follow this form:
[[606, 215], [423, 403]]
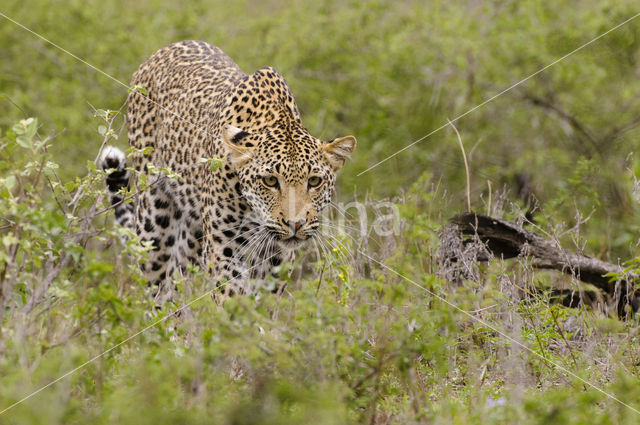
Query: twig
[[466, 166], [489, 203], [567, 117], [320, 279]]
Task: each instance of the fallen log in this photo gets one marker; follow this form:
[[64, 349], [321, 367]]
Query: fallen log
[[503, 239]]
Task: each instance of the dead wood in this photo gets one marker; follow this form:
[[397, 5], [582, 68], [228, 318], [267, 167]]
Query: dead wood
[[503, 239]]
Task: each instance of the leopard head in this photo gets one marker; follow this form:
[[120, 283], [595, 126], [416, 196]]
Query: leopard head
[[287, 176]]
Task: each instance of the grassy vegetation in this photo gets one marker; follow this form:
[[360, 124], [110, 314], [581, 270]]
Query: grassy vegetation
[[351, 341]]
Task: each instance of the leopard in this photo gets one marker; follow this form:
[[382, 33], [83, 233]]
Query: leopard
[[191, 106]]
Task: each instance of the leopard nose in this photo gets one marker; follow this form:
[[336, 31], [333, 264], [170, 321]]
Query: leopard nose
[[295, 225]]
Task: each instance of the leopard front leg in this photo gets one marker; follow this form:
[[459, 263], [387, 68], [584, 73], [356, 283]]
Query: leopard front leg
[[227, 247], [233, 276], [234, 270], [223, 249]]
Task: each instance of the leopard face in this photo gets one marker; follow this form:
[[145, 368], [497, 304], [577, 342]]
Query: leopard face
[[288, 177]]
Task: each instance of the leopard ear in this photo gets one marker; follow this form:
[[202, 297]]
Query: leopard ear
[[238, 154], [339, 150]]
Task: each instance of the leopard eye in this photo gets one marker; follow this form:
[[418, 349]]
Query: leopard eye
[[314, 181], [270, 181]]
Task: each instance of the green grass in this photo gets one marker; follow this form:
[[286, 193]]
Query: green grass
[[350, 341]]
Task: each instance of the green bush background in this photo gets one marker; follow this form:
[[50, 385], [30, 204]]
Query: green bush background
[[342, 346]]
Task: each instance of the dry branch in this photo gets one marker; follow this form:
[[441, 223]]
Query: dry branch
[[503, 239]]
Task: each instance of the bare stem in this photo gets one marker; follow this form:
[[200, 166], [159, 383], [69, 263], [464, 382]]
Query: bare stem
[[466, 166]]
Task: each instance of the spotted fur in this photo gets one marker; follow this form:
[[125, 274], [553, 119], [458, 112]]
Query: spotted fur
[[250, 214], [113, 160]]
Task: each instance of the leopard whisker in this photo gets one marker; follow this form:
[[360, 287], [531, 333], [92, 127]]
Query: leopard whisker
[[342, 211], [326, 250]]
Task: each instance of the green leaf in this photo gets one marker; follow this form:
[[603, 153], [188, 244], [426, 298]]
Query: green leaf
[[18, 129], [214, 163], [10, 182], [31, 127], [9, 240], [23, 141], [52, 165], [138, 89], [102, 113]]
